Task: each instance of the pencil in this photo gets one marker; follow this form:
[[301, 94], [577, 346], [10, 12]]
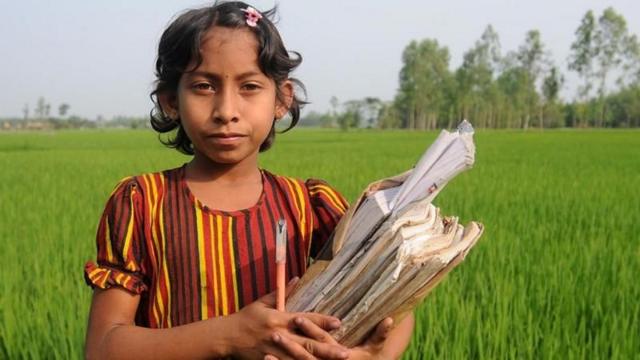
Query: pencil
[[281, 260]]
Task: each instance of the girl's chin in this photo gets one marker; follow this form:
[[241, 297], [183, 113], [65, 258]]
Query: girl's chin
[[230, 158]]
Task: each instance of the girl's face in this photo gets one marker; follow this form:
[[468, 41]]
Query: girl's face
[[227, 105]]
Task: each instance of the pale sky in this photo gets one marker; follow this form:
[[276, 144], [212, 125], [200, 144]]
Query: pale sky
[[98, 56]]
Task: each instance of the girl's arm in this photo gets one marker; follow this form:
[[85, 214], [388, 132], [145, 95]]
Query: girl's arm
[[246, 334], [111, 332]]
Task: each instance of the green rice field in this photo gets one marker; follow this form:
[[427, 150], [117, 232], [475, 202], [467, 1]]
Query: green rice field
[[555, 275]]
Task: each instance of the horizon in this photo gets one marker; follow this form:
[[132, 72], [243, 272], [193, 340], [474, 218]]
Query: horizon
[[112, 73]]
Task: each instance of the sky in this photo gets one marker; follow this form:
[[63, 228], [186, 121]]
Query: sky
[[98, 56]]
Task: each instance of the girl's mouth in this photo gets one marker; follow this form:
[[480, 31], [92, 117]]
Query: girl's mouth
[[226, 138]]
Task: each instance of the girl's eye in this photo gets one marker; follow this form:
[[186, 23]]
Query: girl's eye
[[203, 87], [250, 87]]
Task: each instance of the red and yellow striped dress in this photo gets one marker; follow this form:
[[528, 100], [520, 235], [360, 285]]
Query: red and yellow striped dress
[[189, 262]]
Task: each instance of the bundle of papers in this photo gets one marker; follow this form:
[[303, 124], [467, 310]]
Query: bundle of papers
[[393, 245]]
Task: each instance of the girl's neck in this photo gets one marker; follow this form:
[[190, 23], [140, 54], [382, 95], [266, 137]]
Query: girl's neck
[[223, 186], [202, 169]]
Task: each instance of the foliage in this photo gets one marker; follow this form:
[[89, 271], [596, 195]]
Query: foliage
[[423, 77], [520, 89]]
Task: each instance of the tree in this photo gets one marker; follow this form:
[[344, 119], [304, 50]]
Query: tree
[[25, 112], [625, 107], [611, 41], [316, 119], [603, 48], [550, 91], [523, 88], [371, 110], [532, 58], [631, 67], [581, 58], [327, 121], [409, 74], [475, 91], [335, 104], [347, 119], [41, 108], [63, 109], [352, 116], [551, 85], [515, 87], [424, 75], [389, 116], [490, 43]]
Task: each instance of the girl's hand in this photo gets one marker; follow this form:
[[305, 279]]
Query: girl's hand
[[259, 330], [386, 341], [372, 349], [374, 346], [313, 331]]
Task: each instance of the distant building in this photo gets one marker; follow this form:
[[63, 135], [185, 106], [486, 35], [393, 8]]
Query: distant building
[[38, 125]]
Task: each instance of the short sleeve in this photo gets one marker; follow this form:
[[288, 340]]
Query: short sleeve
[[328, 206], [119, 242]]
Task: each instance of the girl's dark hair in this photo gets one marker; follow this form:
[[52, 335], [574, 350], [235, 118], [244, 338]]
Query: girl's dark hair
[[180, 46]]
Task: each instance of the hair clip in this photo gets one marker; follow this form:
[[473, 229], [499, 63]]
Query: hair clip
[[252, 15]]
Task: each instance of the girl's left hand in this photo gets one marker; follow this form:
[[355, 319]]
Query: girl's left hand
[[311, 330], [385, 342], [374, 347]]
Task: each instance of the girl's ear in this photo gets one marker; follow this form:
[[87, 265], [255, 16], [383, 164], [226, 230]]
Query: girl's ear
[[284, 102], [168, 104]]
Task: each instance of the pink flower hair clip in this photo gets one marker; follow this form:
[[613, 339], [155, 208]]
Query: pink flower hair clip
[[252, 16]]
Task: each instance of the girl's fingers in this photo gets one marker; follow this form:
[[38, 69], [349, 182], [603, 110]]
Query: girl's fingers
[[325, 322], [291, 285], [294, 349], [302, 348], [269, 300], [310, 329], [276, 352], [327, 351], [381, 332]]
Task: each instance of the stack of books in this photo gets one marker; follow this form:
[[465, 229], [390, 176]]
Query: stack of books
[[392, 246]]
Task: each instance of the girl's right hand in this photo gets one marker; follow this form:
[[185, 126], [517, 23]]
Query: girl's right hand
[[261, 332]]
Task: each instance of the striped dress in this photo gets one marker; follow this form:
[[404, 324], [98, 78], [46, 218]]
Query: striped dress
[[190, 262]]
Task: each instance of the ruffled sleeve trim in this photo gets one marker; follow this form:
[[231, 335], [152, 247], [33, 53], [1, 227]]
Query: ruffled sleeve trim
[[105, 277], [325, 196], [327, 206]]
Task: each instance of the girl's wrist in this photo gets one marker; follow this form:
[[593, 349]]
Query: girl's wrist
[[222, 334]]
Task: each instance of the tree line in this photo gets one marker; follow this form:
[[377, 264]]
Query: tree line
[[42, 117], [517, 89]]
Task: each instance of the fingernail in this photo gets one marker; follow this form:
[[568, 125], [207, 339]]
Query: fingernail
[[276, 337], [299, 320], [343, 354], [335, 324], [294, 280]]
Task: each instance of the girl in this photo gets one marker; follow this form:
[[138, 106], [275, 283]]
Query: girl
[[185, 265]]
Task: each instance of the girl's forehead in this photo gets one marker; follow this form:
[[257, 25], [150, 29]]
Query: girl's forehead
[[228, 39], [228, 52]]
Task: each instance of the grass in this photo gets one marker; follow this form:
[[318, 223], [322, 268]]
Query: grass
[[554, 275]]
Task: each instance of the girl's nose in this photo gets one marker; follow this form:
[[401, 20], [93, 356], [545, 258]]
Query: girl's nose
[[225, 108]]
